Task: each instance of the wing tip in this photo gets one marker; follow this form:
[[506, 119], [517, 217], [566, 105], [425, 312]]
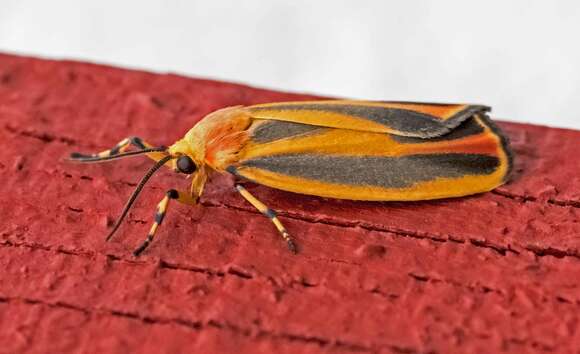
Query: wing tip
[[504, 143]]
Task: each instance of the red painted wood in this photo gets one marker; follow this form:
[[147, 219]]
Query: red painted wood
[[497, 272]]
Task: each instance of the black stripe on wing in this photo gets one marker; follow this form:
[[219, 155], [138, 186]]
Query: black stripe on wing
[[272, 130], [379, 171]]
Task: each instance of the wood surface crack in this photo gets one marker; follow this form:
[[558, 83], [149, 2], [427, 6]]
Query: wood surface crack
[[232, 270], [89, 254], [473, 288], [42, 136], [244, 275], [528, 198], [198, 325], [529, 343], [501, 250]]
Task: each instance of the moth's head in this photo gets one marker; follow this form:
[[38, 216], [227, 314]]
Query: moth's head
[[185, 160], [181, 156]]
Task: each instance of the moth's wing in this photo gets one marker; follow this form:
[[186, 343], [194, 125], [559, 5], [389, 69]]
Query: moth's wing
[[423, 120], [348, 164]]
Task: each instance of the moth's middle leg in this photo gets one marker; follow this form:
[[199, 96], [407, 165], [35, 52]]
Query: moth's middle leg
[[270, 214]]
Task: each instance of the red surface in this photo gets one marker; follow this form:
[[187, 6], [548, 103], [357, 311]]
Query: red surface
[[497, 272]]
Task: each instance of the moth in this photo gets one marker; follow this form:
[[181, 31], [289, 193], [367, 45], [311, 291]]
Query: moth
[[344, 149]]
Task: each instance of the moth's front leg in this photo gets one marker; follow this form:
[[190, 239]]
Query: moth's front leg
[[172, 194]]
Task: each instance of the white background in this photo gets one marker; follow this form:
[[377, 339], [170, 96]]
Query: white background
[[521, 57]]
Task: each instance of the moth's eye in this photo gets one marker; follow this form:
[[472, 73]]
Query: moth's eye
[[186, 165]]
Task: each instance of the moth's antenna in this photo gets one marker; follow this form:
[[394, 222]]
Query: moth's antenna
[[82, 158], [136, 192]]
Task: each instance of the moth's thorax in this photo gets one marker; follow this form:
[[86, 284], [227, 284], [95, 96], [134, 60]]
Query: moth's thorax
[[215, 140]]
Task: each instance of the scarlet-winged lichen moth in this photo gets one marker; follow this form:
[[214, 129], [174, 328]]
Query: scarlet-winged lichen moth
[[359, 150]]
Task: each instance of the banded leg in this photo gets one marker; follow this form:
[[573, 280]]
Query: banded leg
[[270, 214], [119, 149], [182, 197]]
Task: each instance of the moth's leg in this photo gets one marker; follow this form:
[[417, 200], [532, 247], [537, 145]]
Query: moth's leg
[[121, 147], [270, 214], [182, 197]]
